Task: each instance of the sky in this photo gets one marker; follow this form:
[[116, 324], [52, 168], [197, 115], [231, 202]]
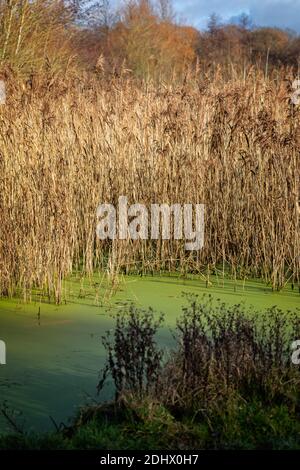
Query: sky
[[280, 13]]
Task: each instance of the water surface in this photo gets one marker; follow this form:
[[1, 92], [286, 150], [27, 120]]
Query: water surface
[[54, 353]]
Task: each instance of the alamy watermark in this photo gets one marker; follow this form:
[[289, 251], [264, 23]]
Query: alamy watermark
[[296, 94], [2, 353], [162, 221], [296, 352], [2, 92]]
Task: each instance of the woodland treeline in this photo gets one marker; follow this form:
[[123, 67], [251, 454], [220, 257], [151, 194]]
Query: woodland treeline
[[142, 37]]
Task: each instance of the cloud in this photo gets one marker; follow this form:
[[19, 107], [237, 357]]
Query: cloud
[[281, 13]]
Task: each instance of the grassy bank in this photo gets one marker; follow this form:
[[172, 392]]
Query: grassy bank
[[149, 425]]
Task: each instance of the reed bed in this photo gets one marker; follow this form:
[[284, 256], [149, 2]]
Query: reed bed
[[66, 147]]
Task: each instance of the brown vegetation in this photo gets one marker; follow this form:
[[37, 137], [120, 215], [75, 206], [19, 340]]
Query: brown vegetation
[[161, 113], [66, 147], [144, 36]]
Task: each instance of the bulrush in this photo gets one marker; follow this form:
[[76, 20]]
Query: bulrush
[[230, 145]]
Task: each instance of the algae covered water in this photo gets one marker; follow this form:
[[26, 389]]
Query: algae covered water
[[54, 353]]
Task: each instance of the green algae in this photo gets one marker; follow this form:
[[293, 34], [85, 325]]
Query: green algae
[[54, 353]]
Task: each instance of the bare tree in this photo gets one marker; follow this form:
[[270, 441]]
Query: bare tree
[[92, 13], [166, 11], [213, 24]]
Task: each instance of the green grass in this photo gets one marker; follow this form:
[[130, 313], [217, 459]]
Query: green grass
[[149, 426]]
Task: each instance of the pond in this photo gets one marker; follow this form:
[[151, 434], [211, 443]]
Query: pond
[[54, 353]]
